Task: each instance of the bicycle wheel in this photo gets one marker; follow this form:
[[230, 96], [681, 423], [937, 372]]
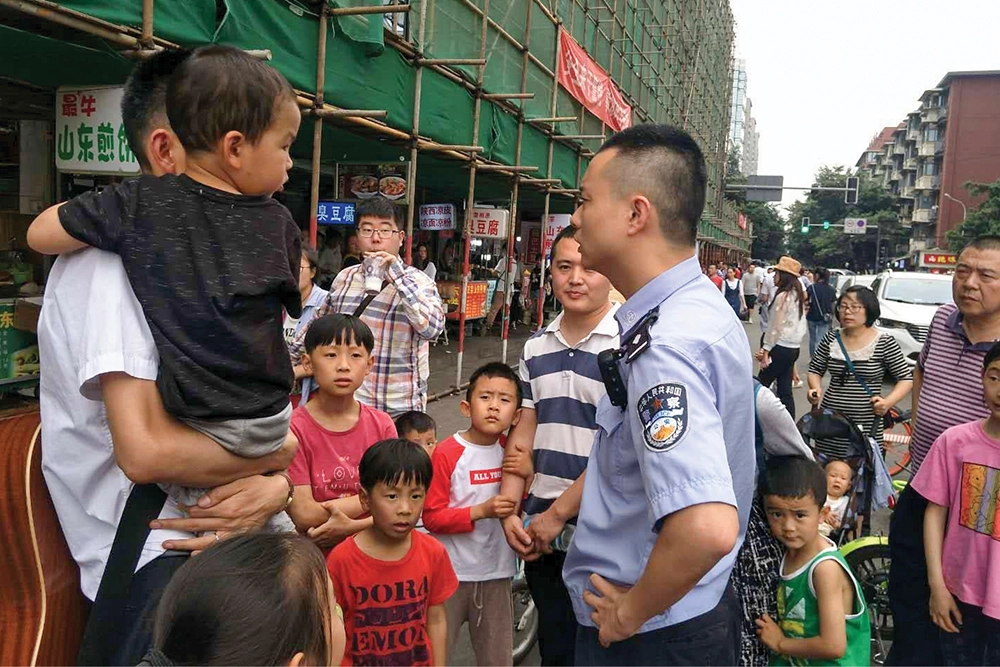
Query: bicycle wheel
[[870, 565], [525, 620], [896, 443]]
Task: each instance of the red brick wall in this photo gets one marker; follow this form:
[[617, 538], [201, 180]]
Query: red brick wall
[[971, 148]]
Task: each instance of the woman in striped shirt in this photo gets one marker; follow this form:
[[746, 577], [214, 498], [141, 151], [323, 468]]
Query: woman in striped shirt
[[875, 355]]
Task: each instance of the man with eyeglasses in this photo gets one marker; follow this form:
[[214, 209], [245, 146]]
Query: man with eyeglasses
[[404, 316]]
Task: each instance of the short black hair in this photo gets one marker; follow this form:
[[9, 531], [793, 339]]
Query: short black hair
[[255, 598], [494, 369], [339, 329], [394, 461], [414, 420], [822, 275], [868, 300], [219, 89], [992, 355], [794, 477], [567, 232], [378, 207], [144, 99], [311, 256], [985, 242], [665, 164]]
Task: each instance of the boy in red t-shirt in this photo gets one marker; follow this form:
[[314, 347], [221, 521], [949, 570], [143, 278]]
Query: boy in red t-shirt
[[463, 508], [333, 431], [392, 581]]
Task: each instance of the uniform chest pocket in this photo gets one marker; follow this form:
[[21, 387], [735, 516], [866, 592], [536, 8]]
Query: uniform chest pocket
[[611, 437]]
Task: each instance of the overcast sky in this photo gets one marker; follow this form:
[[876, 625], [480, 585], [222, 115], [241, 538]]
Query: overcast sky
[[825, 76]]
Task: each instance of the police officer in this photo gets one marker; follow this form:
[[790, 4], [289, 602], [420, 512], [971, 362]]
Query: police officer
[[670, 479]]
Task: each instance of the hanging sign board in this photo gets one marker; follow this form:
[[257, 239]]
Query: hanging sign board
[[590, 85], [90, 135], [436, 217], [335, 213], [531, 241], [555, 223], [490, 223]]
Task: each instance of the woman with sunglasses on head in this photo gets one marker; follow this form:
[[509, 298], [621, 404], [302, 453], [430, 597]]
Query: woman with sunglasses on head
[[859, 357]]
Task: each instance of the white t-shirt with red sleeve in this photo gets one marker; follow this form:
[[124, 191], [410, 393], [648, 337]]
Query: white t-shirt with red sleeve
[[962, 472], [466, 474], [328, 460]]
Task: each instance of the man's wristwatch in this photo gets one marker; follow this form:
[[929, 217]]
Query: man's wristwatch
[[291, 487]]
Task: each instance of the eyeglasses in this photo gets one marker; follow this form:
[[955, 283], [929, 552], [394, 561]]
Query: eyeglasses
[[368, 232], [306, 267], [850, 308]]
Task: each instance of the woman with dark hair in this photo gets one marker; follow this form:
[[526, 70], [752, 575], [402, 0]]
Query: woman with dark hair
[[313, 296], [423, 261], [256, 599], [787, 328], [858, 357], [733, 289]]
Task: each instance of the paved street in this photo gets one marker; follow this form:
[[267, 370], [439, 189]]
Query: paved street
[[479, 350]]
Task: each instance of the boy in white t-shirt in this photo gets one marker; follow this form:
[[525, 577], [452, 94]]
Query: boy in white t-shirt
[[464, 508]]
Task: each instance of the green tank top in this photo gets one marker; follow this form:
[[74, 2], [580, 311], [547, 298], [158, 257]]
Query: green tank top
[[798, 614]]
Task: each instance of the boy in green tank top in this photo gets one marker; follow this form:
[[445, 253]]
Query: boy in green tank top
[[822, 615]]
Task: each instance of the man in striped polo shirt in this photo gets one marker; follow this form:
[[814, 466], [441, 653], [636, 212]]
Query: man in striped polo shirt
[[947, 391], [562, 387]]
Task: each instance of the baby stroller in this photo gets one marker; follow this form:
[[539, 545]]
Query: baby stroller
[[833, 436]]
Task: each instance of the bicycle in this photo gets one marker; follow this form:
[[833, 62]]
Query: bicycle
[[525, 616], [896, 441]]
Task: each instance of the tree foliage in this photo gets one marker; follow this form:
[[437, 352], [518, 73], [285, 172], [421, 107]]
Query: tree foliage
[[833, 248], [983, 221]]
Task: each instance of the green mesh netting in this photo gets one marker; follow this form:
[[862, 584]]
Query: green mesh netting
[[186, 22]]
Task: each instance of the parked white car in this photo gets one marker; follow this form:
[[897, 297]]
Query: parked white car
[[908, 302]]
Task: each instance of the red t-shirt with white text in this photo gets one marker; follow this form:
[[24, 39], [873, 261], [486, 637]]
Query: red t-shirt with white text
[[328, 460], [386, 603]]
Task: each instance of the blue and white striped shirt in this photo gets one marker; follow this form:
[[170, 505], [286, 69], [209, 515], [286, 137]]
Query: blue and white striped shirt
[[562, 384]]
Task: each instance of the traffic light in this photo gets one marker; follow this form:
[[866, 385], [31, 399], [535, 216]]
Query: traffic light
[[805, 225], [826, 224], [851, 196]]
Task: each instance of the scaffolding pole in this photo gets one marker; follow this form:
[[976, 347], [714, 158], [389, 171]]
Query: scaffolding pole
[[318, 125], [471, 200], [415, 136], [542, 259]]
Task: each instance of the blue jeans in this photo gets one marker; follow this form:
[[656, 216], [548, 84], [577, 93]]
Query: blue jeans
[[817, 331]]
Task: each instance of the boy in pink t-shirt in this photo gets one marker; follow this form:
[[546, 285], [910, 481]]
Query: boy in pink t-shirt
[[333, 431], [960, 478]]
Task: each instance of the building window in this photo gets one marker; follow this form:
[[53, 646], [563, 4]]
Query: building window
[[931, 134], [930, 169]]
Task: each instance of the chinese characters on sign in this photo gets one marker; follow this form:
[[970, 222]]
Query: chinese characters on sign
[[590, 85], [435, 217], [475, 298], [555, 223], [90, 136], [940, 259], [490, 222], [334, 213]]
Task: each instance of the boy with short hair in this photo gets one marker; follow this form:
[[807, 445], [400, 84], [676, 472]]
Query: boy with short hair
[[463, 509], [418, 427], [822, 614], [334, 430], [211, 257], [391, 580], [959, 478]]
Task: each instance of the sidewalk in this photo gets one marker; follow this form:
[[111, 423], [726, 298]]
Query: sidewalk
[[478, 351]]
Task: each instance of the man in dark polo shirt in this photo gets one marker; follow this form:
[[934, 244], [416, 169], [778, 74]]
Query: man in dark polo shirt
[[947, 390]]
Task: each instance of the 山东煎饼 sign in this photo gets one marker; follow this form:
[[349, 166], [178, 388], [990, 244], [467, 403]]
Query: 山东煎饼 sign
[[90, 135]]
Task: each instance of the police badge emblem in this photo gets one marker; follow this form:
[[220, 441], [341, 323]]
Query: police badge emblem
[[664, 416]]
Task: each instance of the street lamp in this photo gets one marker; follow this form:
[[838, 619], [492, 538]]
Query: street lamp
[[960, 203]]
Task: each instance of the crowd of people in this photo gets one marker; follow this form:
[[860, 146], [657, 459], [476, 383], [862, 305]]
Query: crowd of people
[[665, 505]]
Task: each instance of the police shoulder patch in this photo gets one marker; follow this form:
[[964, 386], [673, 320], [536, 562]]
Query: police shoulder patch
[[663, 413]]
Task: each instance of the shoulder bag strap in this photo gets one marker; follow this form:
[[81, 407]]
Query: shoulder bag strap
[[850, 365], [368, 299], [143, 505]]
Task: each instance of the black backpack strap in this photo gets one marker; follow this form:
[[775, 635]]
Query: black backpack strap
[[368, 299], [143, 505]]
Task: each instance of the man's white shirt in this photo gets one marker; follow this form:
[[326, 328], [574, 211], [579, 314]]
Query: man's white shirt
[[91, 323]]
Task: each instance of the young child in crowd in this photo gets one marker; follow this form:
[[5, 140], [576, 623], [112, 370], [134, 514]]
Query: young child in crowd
[[334, 430], [822, 615], [838, 482], [960, 479], [418, 427], [464, 507], [391, 580], [211, 257]]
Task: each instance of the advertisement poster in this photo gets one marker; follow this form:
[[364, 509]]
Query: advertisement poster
[[366, 181], [90, 136], [475, 298], [555, 224], [530, 247], [590, 85]]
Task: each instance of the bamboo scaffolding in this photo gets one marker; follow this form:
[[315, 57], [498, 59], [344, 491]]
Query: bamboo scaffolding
[[323, 25], [411, 184], [542, 259], [359, 11], [346, 113]]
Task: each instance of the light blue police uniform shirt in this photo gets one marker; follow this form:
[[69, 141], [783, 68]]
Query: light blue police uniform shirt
[[685, 438]]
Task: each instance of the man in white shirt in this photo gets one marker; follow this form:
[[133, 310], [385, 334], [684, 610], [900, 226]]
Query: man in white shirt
[[752, 280], [104, 428]]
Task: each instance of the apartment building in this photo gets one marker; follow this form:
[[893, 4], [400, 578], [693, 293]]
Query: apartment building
[[952, 138]]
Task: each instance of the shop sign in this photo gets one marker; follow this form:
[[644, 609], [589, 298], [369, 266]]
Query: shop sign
[[590, 85], [555, 223], [335, 213], [475, 298], [490, 222], [741, 220], [367, 181], [435, 217], [942, 259], [531, 241], [90, 135]]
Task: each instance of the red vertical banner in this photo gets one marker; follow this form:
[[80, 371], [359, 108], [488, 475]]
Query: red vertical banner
[[590, 85]]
